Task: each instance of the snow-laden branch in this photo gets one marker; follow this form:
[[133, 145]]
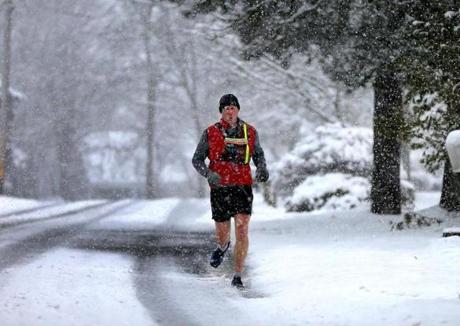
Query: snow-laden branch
[[302, 10]]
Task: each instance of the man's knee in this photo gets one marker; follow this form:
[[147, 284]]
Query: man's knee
[[242, 226], [223, 229], [242, 234]]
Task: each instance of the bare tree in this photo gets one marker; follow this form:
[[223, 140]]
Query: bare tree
[[6, 111], [55, 69], [145, 10]]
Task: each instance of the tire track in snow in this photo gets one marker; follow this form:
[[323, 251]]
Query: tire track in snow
[[33, 239], [30, 210], [171, 273], [71, 211]]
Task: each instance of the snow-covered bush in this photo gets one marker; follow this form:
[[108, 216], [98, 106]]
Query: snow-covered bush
[[329, 191], [329, 168], [329, 148]]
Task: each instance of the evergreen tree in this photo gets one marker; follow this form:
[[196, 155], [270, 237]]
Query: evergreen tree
[[433, 81]]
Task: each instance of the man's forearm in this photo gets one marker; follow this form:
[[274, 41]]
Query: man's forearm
[[200, 166], [258, 156], [200, 155]]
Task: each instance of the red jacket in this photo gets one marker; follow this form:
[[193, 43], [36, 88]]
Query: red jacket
[[233, 168]]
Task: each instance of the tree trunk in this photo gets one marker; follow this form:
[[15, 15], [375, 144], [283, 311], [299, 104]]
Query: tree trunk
[[6, 113], [73, 183], [450, 193], [386, 189], [150, 131], [63, 154], [150, 191], [9, 168]]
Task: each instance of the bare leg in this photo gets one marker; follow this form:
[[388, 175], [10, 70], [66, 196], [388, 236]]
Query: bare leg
[[242, 240], [223, 232]]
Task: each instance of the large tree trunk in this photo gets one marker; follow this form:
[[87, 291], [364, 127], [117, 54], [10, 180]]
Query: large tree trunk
[[386, 188], [450, 193]]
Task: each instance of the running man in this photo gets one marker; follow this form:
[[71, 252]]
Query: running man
[[229, 145]]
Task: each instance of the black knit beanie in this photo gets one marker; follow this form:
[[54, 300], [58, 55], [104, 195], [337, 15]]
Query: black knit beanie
[[226, 100]]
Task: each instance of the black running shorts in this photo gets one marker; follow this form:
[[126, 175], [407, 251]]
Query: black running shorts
[[228, 201]]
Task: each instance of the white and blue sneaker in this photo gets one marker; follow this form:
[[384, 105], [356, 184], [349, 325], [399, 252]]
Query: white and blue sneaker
[[217, 256]]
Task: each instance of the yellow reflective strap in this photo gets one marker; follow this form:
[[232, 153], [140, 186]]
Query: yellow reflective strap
[[236, 141], [245, 129]]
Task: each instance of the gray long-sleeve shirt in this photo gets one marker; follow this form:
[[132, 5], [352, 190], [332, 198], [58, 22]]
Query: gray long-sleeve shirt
[[202, 152]]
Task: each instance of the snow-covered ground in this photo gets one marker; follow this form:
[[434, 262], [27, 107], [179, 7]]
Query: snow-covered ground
[[9, 205], [425, 199], [348, 268], [71, 287], [337, 268]]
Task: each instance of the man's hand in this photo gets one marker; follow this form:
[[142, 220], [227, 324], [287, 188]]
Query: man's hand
[[262, 174], [213, 179]]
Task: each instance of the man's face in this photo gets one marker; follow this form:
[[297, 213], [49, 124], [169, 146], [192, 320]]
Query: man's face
[[230, 114]]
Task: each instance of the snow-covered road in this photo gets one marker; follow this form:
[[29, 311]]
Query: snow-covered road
[[122, 263], [145, 263]]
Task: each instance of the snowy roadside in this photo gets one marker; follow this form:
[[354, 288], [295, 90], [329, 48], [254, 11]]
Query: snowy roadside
[[349, 268], [333, 268]]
